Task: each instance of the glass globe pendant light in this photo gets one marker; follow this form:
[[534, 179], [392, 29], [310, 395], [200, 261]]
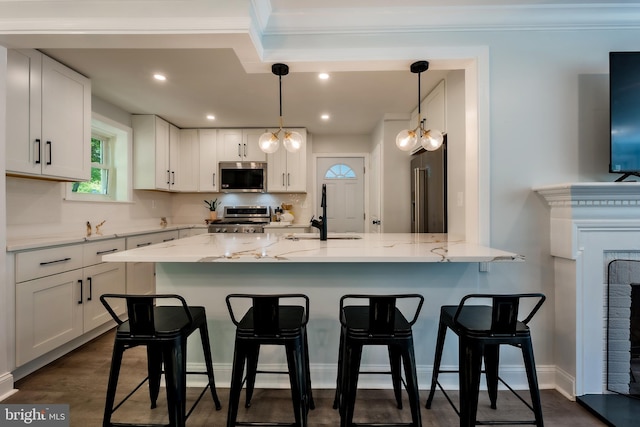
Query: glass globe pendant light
[[430, 139], [269, 141]]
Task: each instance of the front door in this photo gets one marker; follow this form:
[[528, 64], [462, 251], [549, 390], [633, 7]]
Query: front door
[[344, 177]]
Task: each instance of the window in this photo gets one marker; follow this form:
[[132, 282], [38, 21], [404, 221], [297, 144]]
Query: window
[[101, 166], [111, 148], [340, 171]]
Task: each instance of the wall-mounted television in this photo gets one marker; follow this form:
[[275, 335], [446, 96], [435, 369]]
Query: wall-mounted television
[[624, 97]]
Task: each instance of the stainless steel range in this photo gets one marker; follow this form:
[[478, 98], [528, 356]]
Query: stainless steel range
[[242, 219]]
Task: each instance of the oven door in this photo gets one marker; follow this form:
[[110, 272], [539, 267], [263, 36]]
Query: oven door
[[243, 177]]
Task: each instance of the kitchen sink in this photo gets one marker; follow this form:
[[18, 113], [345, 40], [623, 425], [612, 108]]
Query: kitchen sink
[[316, 236]]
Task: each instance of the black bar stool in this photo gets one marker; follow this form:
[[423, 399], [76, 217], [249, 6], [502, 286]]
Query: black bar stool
[[270, 323], [481, 330], [379, 322], [164, 331]]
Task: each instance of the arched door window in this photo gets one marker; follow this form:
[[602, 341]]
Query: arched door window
[[340, 171]]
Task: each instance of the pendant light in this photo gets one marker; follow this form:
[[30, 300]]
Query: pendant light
[[269, 141], [430, 139]]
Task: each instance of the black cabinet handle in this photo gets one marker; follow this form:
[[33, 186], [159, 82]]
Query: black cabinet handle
[[39, 153], [90, 289], [245, 149], [173, 178], [168, 177], [107, 251], [239, 152], [214, 180], [168, 240], [139, 245], [56, 261], [50, 156], [81, 292]]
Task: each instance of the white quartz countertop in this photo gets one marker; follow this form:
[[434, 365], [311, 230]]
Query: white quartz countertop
[[56, 239], [305, 247]]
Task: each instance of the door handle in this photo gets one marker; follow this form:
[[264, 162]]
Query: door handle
[[168, 177], [50, 155], [245, 149], [214, 180], [173, 178], [288, 179], [107, 251], [81, 297], [90, 289], [39, 153], [239, 152], [283, 179]]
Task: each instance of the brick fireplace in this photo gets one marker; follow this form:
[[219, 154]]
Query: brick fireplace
[[590, 225]]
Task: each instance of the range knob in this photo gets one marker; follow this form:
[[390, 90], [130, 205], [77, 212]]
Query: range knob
[[250, 230], [235, 230]]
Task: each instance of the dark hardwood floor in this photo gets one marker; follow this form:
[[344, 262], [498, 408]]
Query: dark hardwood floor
[[79, 379]]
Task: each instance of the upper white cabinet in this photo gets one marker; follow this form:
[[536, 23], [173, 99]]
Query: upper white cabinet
[[208, 160], [434, 108], [161, 160], [188, 149], [287, 172], [240, 145], [49, 119]]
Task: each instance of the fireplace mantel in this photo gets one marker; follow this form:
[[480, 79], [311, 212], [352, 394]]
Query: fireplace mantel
[[590, 223]]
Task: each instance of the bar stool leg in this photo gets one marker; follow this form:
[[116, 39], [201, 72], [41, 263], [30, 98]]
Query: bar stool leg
[[491, 361], [175, 376], [206, 348], [252, 367], [154, 370], [337, 398], [237, 372], [114, 372], [353, 355], [395, 360], [297, 378], [412, 383], [307, 365], [442, 333], [470, 361], [532, 377]]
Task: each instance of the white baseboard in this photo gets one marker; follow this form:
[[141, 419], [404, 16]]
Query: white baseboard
[[565, 384], [6, 386]]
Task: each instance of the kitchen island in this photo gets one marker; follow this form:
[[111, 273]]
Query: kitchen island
[[206, 268]]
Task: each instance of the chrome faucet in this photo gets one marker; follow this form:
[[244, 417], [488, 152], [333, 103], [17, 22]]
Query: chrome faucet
[[321, 224]]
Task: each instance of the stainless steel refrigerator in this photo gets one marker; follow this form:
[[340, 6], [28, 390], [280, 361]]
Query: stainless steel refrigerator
[[429, 191]]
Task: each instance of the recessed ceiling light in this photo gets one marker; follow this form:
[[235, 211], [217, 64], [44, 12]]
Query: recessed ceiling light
[[325, 117], [159, 77], [211, 117], [323, 76]]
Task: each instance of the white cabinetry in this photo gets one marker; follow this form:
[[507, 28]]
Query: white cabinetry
[[434, 109], [57, 299], [141, 277], [208, 161], [49, 119], [189, 232], [240, 145], [287, 172], [161, 161]]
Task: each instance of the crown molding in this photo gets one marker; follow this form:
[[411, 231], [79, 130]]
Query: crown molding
[[451, 18], [592, 194]]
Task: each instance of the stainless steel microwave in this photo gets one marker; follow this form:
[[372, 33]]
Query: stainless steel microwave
[[243, 177]]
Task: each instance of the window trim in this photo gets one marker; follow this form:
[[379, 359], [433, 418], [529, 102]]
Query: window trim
[[120, 140]]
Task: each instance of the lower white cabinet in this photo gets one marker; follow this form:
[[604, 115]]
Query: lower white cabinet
[[141, 276], [58, 294]]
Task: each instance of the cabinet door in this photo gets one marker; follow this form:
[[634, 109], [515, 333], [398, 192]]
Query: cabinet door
[[66, 122], [186, 163], [230, 145], [100, 279], [141, 276], [277, 171], [296, 175], [435, 108], [208, 160], [23, 151], [250, 149], [162, 138], [48, 314]]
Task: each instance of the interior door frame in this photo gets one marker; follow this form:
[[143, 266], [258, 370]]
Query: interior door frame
[[367, 168]]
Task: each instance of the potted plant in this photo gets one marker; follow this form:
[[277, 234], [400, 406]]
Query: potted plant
[[212, 205]]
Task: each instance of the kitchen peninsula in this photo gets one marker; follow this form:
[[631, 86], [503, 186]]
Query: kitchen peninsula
[[206, 268]]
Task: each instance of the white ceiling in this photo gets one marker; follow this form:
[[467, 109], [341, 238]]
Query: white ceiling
[[219, 68], [213, 81]]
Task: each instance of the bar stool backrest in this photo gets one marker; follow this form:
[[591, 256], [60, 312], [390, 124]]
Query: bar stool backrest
[[266, 311], [141, 313], [504, 310], [382, 311]]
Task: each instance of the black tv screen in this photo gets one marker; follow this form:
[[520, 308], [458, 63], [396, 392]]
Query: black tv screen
[[624, 93]]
